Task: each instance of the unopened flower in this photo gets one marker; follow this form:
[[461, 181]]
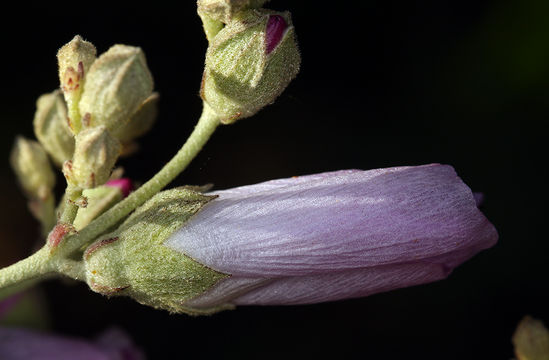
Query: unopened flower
[[20, 344], [100, 199], [300, 240], [249, 63]]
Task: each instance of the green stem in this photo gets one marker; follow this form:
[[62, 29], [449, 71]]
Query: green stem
[[25, 273], [71, 209], [205, 127]]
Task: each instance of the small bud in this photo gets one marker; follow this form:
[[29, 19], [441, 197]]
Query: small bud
[[75, 59], [116, 85], [32, 167], [51, 127], [133, 260], [99, 199], [95, 154], [249, 63], [140, 123]]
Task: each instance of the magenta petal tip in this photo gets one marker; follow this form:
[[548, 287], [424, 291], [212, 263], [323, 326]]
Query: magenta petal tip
[[124, 184], [274, 32]]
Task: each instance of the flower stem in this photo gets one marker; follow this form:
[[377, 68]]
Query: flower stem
[[70, 209], [205, 127], [25, 273]]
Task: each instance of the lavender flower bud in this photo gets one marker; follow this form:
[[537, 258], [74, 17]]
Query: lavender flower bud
[[249, 63], [293, 241]]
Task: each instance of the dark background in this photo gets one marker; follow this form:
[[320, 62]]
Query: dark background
[[383, 83]]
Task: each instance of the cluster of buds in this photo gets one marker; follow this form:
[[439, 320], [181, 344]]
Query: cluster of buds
[[103, 105]]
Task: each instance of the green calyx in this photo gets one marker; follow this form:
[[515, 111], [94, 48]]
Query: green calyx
[[133, 261], [241, 76]]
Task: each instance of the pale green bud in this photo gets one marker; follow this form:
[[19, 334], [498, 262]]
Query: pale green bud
[[133, 260], [74, 59], [116, 85], [51, 127], [95, 154], [99, 200], [141, 122], [249, 63], [32, 167]]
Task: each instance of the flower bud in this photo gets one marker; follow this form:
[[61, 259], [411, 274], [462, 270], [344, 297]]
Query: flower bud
[[95, 154], [99, 200], [133, 260], [249, 63], [51, 127], [116, 85], [32, 167], [75, 59], [301, 240], [140, 123]]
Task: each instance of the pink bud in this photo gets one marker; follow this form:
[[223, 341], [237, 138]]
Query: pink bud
[[124, 184], [274, 32]]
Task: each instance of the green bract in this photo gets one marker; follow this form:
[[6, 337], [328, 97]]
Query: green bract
[[241, 76], [51, 128], [133, 261]]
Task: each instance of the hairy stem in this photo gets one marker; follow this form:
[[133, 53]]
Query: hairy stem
[[25, 273], [69, 211]]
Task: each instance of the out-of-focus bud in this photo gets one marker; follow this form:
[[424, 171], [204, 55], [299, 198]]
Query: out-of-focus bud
[[95, 154], [531, 340], [51, 127], [140, 123], [249, 63], [116, 85], [133, 261], [75, 59], [32, 167]]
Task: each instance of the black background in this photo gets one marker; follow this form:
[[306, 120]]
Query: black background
[[383, 83]]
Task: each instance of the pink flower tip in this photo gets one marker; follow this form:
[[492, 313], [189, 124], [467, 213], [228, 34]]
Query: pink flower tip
[[276, 25], [124, 184]]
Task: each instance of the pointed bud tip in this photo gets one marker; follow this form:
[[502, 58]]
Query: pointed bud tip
[[274, 32]]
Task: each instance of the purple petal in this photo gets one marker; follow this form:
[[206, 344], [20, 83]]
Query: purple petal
[[297, 239], [276, 25], [19, 344]]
